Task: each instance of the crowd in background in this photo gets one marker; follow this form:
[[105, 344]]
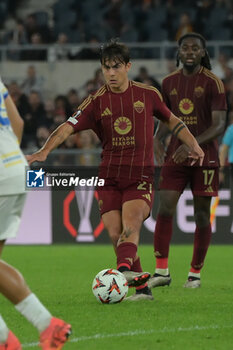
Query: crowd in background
[[42, 115], [130, 20], [76, 21]]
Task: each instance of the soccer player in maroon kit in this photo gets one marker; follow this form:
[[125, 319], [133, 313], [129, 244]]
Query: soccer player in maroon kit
[[198, 98], [121, 113]]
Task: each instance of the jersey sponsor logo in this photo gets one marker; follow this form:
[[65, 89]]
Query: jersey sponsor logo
[[72, 120], [186, 106], [147, 196], [198, 91], [122, 125], [173, 92], [189, 120], [130, 260], [106, 112], [123, 141], [209, 189], [35, 178], [139, 106], [157, 253]]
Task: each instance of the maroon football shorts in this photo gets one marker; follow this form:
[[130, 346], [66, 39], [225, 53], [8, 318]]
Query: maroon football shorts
[[203, 181], [115, 192]]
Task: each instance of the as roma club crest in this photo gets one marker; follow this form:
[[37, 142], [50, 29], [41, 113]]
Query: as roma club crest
[[198, 91], [139, 106]]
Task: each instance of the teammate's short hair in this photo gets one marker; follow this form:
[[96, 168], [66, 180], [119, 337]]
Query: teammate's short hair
[[114, 51]]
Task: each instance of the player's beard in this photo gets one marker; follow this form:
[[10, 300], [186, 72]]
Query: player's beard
[[190, 67]]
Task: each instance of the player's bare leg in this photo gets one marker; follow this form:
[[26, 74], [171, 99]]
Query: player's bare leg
[[113, 224], [15, 289], [134, 212], [162, 237], [202, 239], [12, 283], [7, 338]]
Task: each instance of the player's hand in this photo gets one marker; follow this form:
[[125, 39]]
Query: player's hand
[[160, 152], [196, 155], [39, 156], [181, 154], [184, 152]]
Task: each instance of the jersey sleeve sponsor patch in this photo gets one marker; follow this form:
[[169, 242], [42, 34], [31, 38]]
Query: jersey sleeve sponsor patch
[[74, 119]]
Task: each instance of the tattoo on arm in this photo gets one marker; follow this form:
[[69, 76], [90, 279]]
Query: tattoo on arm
[[178, 130], [179, 126]]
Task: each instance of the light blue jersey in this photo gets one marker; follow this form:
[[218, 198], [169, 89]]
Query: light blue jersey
[[12, 160], [228, 140]]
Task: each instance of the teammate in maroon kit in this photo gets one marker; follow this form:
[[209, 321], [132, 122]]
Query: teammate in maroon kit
[[121, 113], [197, 97]]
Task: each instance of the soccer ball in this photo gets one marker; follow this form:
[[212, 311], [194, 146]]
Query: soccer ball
[[110, 286]]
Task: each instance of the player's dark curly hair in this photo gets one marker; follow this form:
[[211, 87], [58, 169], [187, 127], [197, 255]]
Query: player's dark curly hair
[[114, 50], [205, 61]]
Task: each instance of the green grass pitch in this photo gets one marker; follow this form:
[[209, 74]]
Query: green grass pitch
[[62, 275]]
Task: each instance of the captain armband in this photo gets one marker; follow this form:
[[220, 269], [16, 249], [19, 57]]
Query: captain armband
[[179, 126]]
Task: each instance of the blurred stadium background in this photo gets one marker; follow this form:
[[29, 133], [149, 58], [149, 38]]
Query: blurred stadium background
[[49, 61]]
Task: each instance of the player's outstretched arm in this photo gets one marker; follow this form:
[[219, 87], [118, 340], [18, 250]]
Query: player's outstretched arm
[[179, 129], [57, 137]]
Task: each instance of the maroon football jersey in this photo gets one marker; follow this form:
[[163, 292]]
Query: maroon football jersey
[[125, 125], [192, 99]]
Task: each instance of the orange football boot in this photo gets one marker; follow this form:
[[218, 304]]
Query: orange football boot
[[12, 343], [55, 335]]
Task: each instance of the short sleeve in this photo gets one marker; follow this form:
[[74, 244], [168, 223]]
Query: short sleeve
[[218, 98], [3, 89], [83, 118], [162, 112]]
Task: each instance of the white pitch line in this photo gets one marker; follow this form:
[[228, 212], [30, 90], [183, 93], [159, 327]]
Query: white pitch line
[[139, 332]]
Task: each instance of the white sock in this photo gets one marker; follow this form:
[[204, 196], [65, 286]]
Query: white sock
[[32, 309], [163, 272], [193, 274], [3, 331]]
